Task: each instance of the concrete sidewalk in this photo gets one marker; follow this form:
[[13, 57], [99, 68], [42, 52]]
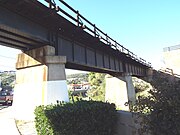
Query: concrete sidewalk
[[7, 122]]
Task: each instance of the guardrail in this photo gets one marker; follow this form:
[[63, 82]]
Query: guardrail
[[91, 28]]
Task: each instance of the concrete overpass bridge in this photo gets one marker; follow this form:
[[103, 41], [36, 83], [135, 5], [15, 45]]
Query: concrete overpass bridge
[[52, 39]]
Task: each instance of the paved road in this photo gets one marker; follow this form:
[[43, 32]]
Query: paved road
[[7, 123]]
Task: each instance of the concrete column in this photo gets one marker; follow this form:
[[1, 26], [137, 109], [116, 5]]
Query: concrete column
[[40, 80], [130, 88], [119, 91], [149, 76], [116, 92]]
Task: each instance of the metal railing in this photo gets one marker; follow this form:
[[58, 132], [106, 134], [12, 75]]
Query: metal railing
[[91, 28], [170, 72]]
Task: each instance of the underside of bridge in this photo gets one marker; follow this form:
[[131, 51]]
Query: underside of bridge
[[50, 43], [28, 24]]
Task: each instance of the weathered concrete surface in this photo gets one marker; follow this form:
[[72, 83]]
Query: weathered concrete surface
[[116, 92], [120, 91], [129, 124], [40, 80], [130, 88], [125, 125]]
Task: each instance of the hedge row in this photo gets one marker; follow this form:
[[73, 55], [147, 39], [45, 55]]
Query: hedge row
[[79, 118]]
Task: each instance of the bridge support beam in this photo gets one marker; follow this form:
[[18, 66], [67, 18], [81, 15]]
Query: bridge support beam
[[40, 80], [120, 90]]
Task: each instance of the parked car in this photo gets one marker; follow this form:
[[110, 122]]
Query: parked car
[[6, 97]]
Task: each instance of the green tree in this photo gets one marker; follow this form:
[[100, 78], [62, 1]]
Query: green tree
[[161, 108], [97, 91], [7, 79]]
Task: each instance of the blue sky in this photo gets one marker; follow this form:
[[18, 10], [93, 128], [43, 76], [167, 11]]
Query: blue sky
[[8, 58], [143, 26]]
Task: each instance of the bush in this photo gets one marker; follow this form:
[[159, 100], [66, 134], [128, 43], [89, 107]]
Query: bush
[[161, 108], [79, 118]]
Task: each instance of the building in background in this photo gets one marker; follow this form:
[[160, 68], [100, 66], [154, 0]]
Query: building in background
[[171, 58]]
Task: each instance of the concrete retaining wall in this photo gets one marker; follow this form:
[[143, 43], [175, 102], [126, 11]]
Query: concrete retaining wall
[[125, 125], [128, 123]]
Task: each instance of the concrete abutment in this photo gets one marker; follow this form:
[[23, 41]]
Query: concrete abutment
[[40, 80]]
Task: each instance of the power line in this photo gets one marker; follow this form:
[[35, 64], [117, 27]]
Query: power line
[[7, 66], [7, 63], [7, 57]]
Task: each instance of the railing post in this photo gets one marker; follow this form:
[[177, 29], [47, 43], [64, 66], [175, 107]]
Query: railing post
[[94, 30], [50, 4], [128, 51], [77, 18], [122, 48], [115, 44], [106, 38]]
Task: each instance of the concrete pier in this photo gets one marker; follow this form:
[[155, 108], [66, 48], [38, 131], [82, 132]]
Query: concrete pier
[[40, 80], [120, 90]]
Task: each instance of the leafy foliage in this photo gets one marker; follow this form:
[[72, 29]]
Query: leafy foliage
[[97, 82], [97, 91], [42, 123], [140, 85], [78, 118], [161, 108], [77, 78], [7, 79]]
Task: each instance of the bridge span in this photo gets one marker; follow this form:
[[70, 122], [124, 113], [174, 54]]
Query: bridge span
[[52, 39], [28, 24]]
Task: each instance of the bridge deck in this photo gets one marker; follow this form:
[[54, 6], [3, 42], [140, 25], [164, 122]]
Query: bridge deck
[[28, 24]]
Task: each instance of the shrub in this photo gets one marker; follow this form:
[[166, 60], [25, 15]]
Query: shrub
[[161, 108], [79, 118], [42, 123]]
